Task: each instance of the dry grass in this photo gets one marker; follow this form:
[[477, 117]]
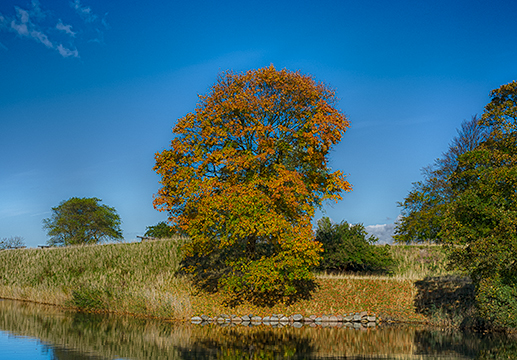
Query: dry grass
[[141, 278], [393, 299], [415, 262], [412, 262], [137, 278]]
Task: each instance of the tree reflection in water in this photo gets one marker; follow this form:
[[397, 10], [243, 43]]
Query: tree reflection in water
[[92, 336]]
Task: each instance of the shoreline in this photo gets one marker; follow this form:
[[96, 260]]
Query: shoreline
[[141, 279]]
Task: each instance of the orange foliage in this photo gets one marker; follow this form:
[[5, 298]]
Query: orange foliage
[[250, 164]]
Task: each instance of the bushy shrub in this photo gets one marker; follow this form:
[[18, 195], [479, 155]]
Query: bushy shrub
[[348, 247], [160, 231], [496, 300]]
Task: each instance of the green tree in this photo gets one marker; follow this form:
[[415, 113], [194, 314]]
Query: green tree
[[160, 231], [423, 208], [247, 169], [480, 221], [81, 221], [348, 247]]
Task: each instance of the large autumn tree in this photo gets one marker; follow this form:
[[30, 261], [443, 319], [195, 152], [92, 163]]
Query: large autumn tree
[[245, 172]]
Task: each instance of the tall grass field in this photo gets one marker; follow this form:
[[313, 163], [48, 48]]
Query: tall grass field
[[143, 279]]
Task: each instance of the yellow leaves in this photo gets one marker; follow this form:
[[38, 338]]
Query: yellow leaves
[[251, 161]]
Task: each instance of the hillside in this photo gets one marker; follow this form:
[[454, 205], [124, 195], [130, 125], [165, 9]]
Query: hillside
[[142, 279]]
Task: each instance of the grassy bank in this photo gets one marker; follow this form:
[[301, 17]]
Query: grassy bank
[[136, 278], [141, 279]]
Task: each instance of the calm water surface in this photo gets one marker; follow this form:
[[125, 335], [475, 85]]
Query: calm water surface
[[36, 332]]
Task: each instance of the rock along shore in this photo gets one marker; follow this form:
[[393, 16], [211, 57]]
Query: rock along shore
[[355, 320]]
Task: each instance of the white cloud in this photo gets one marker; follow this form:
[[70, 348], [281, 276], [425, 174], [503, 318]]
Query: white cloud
[[65, 28], [37, 24], [42, 38], [67, 52], [89, 17], [382, 231], [22, 26], [85, 12], [36, 11], [105, 22]]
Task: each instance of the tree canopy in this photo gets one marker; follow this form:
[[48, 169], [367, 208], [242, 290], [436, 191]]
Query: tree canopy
[[469, 203], [248, 167], [480, 222], [82, 221], [160, 231], [482, 217], [424, 206]]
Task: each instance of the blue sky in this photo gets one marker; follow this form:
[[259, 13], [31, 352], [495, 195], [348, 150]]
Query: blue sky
[[90, 89]]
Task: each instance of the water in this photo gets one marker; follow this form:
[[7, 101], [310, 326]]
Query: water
[[36, 332]]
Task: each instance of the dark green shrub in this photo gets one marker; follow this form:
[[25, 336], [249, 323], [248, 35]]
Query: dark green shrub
[[160, 231], [496, 300], [348, 247]]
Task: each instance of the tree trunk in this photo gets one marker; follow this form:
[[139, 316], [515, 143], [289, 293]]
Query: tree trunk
[[250, 246]]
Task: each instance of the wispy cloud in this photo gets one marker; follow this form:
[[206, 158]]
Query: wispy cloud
[[41, 26], [65, 28], [67, 52], [90, 18], [22, 23], [36, 11], [85, 12]]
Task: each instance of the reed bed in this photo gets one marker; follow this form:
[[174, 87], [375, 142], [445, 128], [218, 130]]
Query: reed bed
[[142, 279], [412, 262], [137, 278]]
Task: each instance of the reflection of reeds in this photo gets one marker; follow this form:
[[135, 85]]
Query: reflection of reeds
[[109, 336], [113, 336], [135, 278], [101, 335]]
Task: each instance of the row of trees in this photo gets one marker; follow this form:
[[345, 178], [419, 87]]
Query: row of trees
[[468, 202], [12, 242]]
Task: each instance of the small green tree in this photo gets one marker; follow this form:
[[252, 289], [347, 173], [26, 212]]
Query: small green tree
[[160, 231], [348, 247], [82, 221]]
